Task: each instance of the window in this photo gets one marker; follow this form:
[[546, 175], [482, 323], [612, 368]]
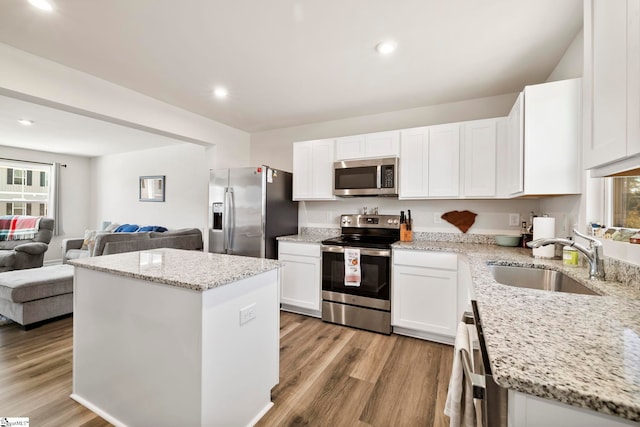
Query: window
[[24, 188], [626, 202]]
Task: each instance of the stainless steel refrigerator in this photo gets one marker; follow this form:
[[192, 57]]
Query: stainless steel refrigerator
[[248, 209]]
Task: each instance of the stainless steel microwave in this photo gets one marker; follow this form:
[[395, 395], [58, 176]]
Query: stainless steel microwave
[[371, 177]]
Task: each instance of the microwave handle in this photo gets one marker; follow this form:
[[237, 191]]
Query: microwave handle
[[379, 176]]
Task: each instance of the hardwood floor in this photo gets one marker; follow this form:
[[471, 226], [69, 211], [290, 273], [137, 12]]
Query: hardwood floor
[[336, 376], [329, 376]]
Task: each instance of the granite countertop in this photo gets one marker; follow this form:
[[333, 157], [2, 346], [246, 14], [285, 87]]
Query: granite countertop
[[303, 238], [578, 349], [195, 270]]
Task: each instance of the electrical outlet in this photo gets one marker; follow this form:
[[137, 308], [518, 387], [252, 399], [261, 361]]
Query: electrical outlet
[[436, 218], [514, 219], [247, 313]]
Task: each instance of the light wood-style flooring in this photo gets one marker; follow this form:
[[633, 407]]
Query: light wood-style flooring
[[329, 376]]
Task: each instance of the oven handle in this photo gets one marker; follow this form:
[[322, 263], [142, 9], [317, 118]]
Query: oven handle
[[363, 251], [476, 381]]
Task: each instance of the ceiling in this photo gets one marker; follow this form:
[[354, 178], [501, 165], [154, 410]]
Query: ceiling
[[292, 62]]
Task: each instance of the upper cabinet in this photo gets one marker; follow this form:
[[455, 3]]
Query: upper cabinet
[[380, 144], [430, 162], [480, 140], [313, 170], [543, 147], [611, 84]]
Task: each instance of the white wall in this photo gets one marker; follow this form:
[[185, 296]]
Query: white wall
[[570, 65], [493, 215], [274, 147], [115, 187], [75, 193]]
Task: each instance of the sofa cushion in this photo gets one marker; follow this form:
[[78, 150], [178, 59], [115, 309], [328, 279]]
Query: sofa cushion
[[7, 258], [36, 283], [77, 253]]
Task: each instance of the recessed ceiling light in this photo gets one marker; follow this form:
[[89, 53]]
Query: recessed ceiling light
[[386, 48], [25, 122], [220, 92], [42, 5]]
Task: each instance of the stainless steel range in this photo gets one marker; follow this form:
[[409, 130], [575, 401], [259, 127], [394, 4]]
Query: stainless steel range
[[362, 298]]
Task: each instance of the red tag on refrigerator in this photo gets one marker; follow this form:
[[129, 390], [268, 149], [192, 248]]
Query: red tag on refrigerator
[[259, 170]]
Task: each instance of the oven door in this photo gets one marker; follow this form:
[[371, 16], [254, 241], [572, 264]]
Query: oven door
[[375, 273]]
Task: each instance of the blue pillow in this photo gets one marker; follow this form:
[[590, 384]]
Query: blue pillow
[[157, 228], [126, 228]]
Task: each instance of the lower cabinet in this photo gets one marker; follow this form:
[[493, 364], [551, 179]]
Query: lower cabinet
[[531, 411], [424, 296], [300, 289]]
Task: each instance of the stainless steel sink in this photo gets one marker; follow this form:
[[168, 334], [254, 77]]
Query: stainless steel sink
[[538, 278]]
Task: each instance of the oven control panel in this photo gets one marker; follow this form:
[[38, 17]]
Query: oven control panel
[[370, 221]]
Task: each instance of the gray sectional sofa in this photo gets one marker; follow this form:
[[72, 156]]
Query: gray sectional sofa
[[114, 243], [26, 253]]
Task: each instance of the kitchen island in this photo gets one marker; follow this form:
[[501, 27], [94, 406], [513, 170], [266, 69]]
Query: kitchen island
[[171, 337]]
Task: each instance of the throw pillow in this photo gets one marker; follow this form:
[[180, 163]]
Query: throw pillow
[[156, 228], [89, 237], [127, 228], [111, 227]]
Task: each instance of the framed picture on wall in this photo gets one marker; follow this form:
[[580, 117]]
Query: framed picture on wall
[[151, 188]]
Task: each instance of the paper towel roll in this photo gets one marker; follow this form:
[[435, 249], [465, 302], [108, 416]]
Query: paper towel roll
[[544, 227]]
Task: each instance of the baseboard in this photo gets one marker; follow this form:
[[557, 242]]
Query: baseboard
[[260, 414], [303, 311], [429, 336], [93, 408]]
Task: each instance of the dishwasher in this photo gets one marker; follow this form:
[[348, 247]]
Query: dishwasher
[[490, 398]]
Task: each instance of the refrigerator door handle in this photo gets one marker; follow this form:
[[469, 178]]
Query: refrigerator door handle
[[225, 224], [231, 224]]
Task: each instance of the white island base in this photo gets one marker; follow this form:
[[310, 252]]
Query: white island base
[[152, 354]]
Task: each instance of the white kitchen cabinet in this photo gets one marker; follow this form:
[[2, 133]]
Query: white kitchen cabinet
[[414, 164], [313, 170], [372, 145], [300, 290], [514, 169], [444, 160], [424, 300], [543, 151], [526, 410], [430, 162], [479, 154], [612, 84]]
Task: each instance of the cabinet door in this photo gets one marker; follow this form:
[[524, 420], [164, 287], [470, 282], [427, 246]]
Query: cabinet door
[[515, 148], [552, 143], [444, 161], [350, 147], [480, 158], [414, 163], [300, 282], [382, 144], [633, 76], [425, 300], [605, 71], [302, 170], [322, 167]]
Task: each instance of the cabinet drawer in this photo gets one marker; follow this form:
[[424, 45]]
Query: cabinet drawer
[[443, 261], [300, 249]]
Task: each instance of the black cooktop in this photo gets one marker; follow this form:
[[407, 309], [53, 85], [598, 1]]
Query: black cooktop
[[362, 242]]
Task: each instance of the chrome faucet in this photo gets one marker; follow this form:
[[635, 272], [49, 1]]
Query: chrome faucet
[[593, 253]]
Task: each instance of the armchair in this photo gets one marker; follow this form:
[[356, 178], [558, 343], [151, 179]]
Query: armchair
[[26, 253]]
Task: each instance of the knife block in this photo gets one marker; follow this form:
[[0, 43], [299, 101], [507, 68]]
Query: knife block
[[406, 235]]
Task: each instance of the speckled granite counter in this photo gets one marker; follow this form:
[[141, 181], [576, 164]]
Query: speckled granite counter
[[186, 269], [577, 349]]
